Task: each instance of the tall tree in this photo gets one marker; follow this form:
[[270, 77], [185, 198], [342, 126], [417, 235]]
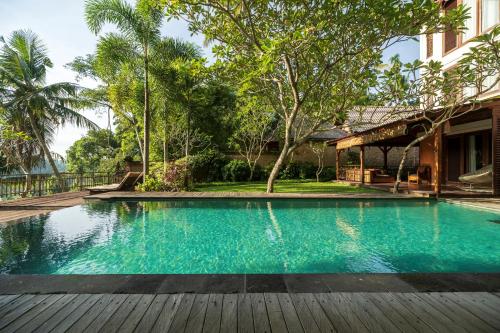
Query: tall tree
[[23, 67], [312, 60], [140, 27]]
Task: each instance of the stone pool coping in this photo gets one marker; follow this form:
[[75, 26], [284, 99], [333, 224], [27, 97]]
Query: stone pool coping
[[244, 195], [249, 283]]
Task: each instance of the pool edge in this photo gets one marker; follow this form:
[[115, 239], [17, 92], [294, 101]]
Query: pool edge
[[249, 283]]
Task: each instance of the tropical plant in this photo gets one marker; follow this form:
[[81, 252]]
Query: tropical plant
[[139, 28], [23, 67]]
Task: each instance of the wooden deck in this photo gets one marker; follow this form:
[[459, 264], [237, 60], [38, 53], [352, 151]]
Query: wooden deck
[[20, 208], [272, 312]]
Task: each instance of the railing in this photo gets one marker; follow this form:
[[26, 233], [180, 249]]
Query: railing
[[12, 186], [392, 171]]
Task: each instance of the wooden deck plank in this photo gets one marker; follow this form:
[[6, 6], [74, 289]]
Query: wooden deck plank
[[85, 314], [364, 316], [13, 304], [292, 320], [398, 311], [229, 315], [24, 318], [135, 316], [333, 313], [305, 316], [149, 318], [182, 314], [489, 300], [427, 313], [167, 313], [349, 311], [101, 319], [259, 312], [214, 313], [245, 318], [477, 308], [116, 320], [23, 308], [270, 312], [66, 313], [375, 313], [22, 208], [276, 319], [453, 311], [317, 312], [197, 315], [6, 299], [32, 322]]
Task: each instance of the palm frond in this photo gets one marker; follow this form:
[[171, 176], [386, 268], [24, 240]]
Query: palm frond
[[118, 12]]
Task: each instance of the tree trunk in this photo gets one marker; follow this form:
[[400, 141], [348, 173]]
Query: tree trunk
[[405, 155], [147, 114], [45, 149], [165, 154], [281, 159]]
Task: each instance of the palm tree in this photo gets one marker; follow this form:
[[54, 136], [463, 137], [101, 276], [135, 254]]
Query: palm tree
[[23, 67], [141, 27]]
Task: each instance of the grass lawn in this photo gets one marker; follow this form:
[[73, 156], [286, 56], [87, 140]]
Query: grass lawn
[[283, 186]]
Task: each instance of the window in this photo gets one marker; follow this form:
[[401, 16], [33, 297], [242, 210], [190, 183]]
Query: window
[[490, 13], [471, 22], [430, 44], [450, 36]]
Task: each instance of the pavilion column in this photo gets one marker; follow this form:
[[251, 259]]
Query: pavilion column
[[362, 163], [438, 152], [337, 164], [495, 154], [385, 151]]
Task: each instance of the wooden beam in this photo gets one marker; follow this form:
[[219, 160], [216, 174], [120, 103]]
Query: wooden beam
[[337, 164], [362, 164], [438, 152]]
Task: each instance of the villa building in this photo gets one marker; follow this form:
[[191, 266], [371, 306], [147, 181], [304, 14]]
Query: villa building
[[462, 145]]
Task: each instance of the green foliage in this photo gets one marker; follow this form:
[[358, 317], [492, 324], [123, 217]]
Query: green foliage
[[298, 170], [94, 152], [236, 171], [32, 106], [207, 166], [328, 174]]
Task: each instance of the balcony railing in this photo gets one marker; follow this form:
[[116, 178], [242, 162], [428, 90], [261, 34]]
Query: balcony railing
[[14, 186]]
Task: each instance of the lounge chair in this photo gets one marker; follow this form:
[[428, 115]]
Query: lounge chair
[[423, 173], [127, 184], [482, 176]]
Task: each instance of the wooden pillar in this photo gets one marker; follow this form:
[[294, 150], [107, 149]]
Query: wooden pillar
[[362, 163], [495, 154], [337, 164], [438, 152]]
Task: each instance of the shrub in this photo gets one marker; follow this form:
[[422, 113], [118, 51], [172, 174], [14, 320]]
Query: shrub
[[176, 178], [328, 173], [258, 173], [291, 171], [307, 170], [207, 166], [151, 183], [173, 180], [236, 171]]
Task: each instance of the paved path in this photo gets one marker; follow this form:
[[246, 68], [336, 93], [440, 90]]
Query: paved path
[[259, 312]]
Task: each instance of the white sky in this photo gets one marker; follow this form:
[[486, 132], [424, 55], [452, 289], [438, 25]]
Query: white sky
[[61, 25]]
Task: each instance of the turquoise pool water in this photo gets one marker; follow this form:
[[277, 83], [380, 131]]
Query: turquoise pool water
[[254, 236]]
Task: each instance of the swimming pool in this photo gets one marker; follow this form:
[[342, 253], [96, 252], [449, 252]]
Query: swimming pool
[[254, 236]]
